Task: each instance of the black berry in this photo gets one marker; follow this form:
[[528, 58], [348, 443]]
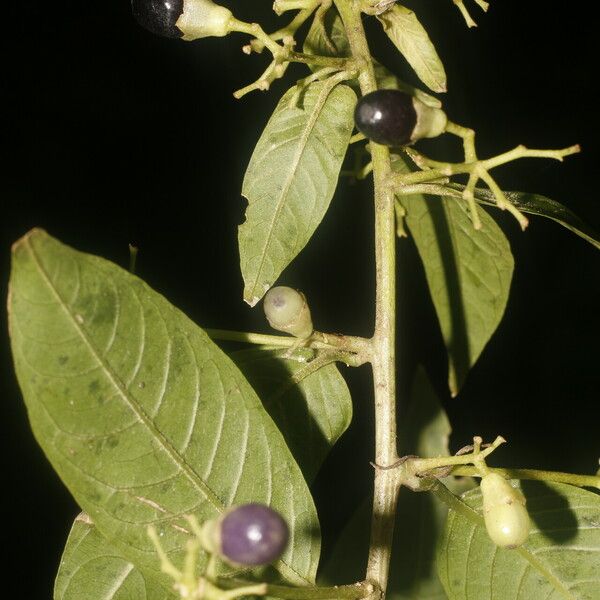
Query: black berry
[[159, 16], [386, 117], [253, 535]]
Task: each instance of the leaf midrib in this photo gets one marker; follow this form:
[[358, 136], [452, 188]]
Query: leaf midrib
[[117, 384], [139, 411], [303, 141]]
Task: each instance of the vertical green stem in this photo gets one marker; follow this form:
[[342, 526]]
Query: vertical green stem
[[383, 344]]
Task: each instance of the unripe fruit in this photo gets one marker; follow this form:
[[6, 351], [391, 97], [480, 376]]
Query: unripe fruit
[[248, 535], [506, 518], [186, 19], [286, 310], [395, 118]]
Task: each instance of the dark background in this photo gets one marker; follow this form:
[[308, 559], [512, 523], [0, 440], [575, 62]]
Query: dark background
[[113, 136]]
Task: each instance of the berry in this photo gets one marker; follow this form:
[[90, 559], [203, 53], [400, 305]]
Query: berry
[[159, 16], [252, 535], [286, 310], [186, 19], [395, 118], [506, 518], [386, 117]]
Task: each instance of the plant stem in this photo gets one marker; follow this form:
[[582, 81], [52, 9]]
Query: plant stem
[[387, 482], [347, 592]]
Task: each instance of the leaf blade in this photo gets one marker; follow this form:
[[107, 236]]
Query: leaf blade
[[536, 204], [468, 272], [558, 561], [91, 568], [115, 380], [410, 37], [309, 402], [290, 181]]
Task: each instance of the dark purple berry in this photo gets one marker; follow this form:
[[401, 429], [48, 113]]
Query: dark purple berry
[[158, 16], [253, 535], [386, 117]]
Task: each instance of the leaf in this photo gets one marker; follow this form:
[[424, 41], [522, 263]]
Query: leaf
[[291, 179], [410, 37], [542, 206], [309, 402], [91, 568], [560, 559], [140, 413], [469, 274], [329, 39], [420, 516]]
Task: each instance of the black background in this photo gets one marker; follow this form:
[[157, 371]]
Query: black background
[[113, 136]]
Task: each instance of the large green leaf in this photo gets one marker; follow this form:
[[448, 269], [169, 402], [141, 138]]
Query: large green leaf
[[328, 38], [542, 206], [91, 568], [420, 516], [309, 401], [410, 37], [140, 413], [291, 179], [559, 561], [469, 274]]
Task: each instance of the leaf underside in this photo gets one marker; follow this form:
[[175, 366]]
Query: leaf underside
[[560, 560], [91, 569], [535, 204], [140, 413], [410, 37], [310, 404], [291, 179], [468, 272]]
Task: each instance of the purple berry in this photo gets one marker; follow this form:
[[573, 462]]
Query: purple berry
[[253, 535], [386, 117], [159, 16]]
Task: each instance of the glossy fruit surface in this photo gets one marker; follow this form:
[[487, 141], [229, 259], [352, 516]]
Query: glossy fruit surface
[[386, 117], [253, 535], [159, 16]]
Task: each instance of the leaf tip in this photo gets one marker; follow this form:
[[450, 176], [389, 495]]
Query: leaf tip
[[32, 233]]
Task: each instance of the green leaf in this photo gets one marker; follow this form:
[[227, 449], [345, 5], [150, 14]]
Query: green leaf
[[535, 204], [140, 413], [91, 568], [328, 38], [410, 37], [560, 559], [291, 179], [310, 402], [469, 274]]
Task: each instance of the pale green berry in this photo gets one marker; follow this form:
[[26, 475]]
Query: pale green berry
[[506, 518], [286, 310]]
